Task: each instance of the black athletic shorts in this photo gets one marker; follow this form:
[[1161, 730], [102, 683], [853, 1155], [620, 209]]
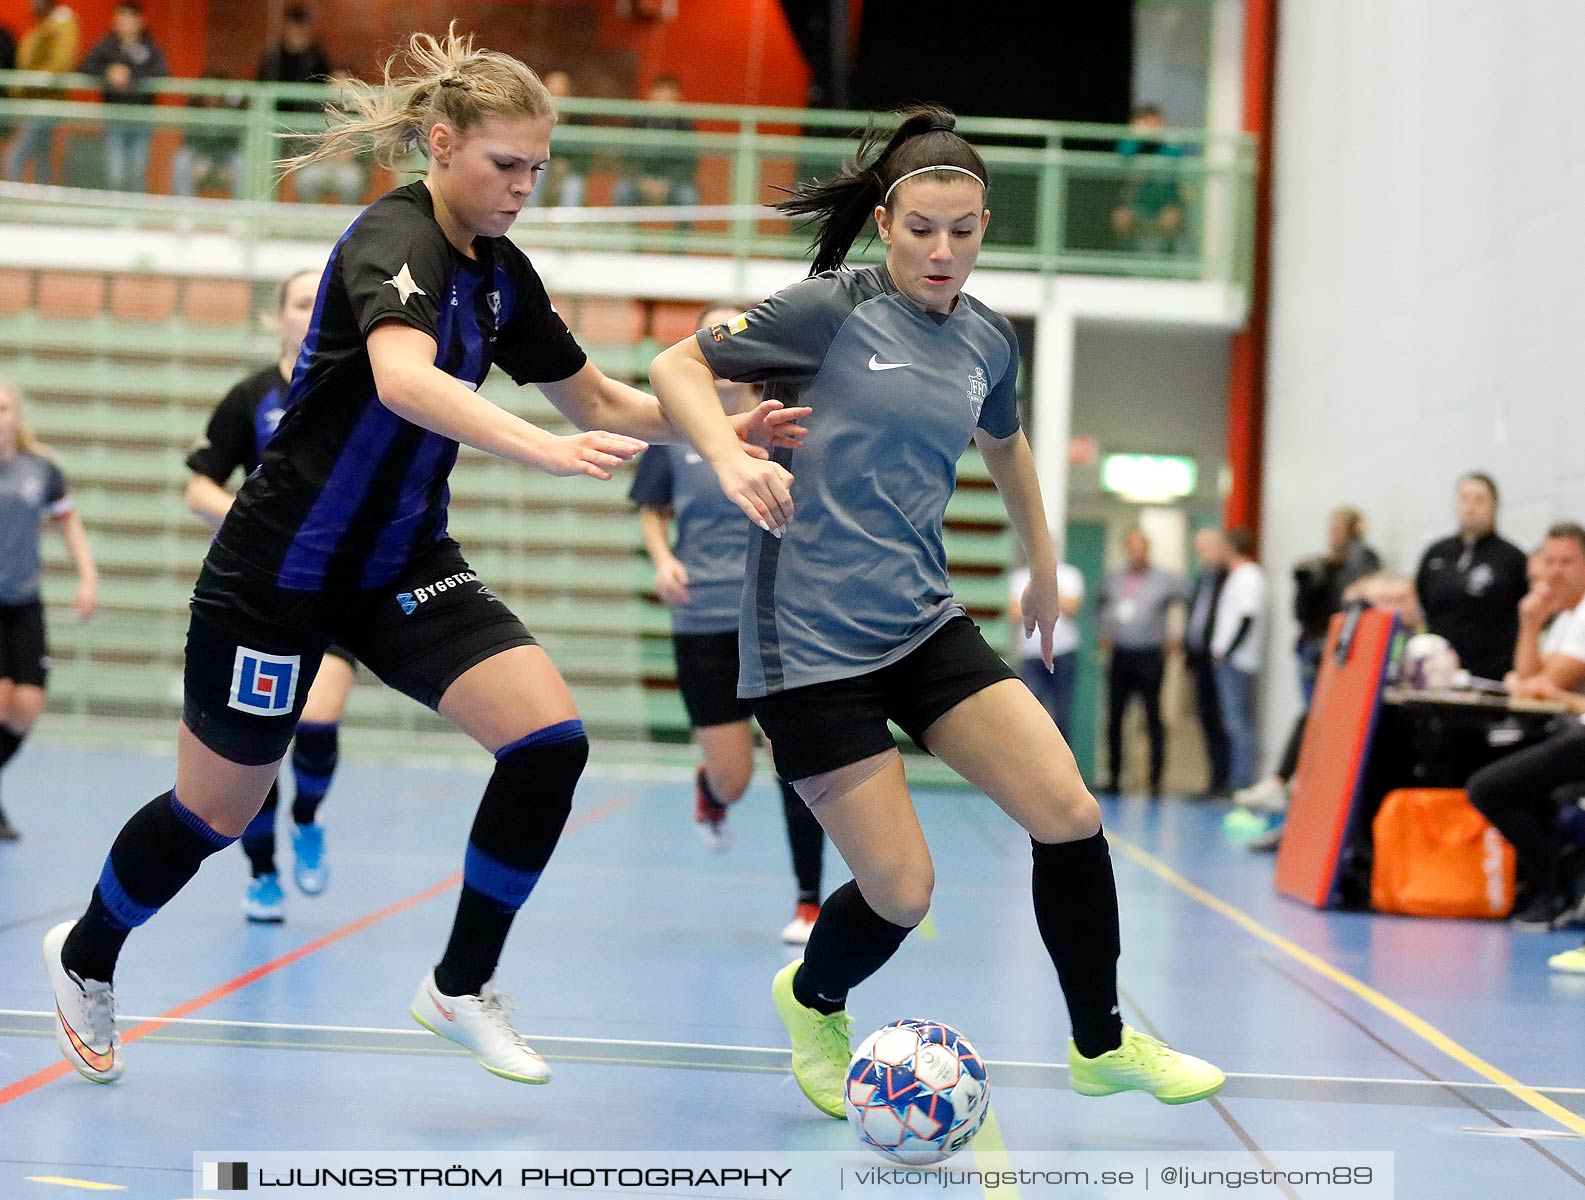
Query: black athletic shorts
[[24, 655], [253, 648], [707, 678], [824, 726]]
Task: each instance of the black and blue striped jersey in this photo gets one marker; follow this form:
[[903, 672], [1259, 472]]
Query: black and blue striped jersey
[[348, 493], [241, 426]]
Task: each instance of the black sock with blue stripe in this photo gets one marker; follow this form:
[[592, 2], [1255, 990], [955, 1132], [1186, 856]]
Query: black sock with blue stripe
[[315, 752], [258, 839], [152, 858], [525, 807]]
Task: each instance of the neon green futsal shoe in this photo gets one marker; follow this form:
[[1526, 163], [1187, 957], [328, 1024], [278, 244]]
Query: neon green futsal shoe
[[1570, 962], [821, 1048], [1143, 1064]]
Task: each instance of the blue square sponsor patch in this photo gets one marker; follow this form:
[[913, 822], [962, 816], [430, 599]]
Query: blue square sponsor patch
[[264, 684]]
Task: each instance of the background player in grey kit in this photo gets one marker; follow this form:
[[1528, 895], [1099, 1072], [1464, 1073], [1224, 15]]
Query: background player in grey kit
[[700, 578], [848, 617], [32, 490], [238, 431]]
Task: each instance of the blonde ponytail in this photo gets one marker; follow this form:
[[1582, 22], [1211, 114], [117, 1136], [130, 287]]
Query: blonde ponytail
[[433, 81]]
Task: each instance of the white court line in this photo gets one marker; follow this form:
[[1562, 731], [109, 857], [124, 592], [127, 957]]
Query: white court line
[[782, 1052]]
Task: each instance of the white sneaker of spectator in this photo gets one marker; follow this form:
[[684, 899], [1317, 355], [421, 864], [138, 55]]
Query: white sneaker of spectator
[[1270, 795]]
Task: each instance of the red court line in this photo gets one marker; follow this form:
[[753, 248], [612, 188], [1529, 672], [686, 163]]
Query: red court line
[[38, 1079]]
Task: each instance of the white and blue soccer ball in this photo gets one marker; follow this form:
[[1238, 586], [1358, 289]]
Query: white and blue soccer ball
[[916, 1092]]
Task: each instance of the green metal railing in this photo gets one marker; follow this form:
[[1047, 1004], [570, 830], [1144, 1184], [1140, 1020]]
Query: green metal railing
[[1058, 188]]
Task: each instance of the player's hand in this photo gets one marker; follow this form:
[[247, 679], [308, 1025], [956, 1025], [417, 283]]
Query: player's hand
[[595, 454], [671, 583], [770, 422], [1041, 610], [87, 600], [763, 490]]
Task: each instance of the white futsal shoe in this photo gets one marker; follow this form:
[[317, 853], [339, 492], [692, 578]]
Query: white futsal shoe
[[479, 1024], [85, 1015]]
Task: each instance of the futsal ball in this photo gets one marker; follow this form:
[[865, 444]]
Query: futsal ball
[[916, 1092], [1429, 662]]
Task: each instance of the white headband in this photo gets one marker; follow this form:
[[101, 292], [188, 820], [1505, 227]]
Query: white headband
[[926, 171]]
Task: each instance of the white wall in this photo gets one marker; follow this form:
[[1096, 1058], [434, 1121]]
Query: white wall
[[1428, 277]]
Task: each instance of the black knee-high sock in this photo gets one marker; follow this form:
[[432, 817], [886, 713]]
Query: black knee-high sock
[[315, 752], [258, 839], [525, 806], [806, 840], [152, 858], [10, 743], [849, 943], [1076, 910]]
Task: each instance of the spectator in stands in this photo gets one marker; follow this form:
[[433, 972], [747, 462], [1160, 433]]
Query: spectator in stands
[[660, 178], [299, 58], [51, 45], [1549, 659], [32, 489], [1149, 216], [1053, 688], [210, 156], [1236, 650], [296, 58], [562, 185], [1204, 596], [8, 49], [1470, 584], [125, 57], [1522, 793], [1135, 602], [1319, 584], [341, 178]]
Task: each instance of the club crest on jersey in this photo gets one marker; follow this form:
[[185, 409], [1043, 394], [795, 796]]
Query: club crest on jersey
[[494, 299], [979, 387], [264, 684]]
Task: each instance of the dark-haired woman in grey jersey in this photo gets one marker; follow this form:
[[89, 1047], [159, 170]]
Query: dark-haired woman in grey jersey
[[848, 617]]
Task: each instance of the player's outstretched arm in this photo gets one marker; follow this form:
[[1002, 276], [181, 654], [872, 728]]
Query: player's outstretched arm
[[411, 386], [685, 386]]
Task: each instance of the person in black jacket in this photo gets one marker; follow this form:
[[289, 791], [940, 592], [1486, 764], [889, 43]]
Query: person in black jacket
[[125, 57], [1470, 584], [1319, 584]]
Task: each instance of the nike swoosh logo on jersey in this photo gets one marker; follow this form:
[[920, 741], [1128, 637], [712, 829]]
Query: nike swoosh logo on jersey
[[877, 365]]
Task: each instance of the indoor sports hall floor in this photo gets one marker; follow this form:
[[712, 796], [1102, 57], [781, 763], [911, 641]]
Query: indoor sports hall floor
[[642, 968]]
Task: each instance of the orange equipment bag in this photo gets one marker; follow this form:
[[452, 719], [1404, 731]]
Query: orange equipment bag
[[1437, 856]]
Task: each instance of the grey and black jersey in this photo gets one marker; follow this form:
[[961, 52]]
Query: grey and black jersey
[[31, 488], [712, 535], [859, 577]]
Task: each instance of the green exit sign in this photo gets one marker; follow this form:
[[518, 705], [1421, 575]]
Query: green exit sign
[[1148, 477]]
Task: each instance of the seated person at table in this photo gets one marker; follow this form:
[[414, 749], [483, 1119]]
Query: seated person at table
[[1549, 659]]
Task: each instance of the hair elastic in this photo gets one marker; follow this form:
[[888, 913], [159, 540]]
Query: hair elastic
[[926, 171]]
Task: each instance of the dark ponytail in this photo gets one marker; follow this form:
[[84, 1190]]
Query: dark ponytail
[[923, 137]]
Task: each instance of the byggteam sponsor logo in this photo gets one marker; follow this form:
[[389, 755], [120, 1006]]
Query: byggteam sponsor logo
[[411, 601], [264, 684]]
